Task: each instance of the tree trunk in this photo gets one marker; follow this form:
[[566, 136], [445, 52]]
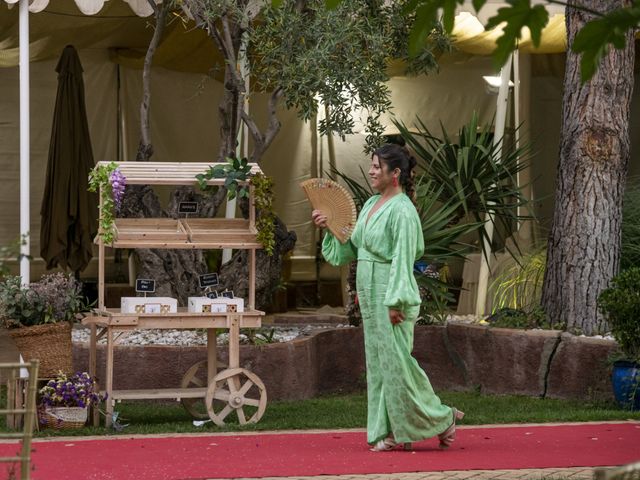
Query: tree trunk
[[233, 275], [584, 244]]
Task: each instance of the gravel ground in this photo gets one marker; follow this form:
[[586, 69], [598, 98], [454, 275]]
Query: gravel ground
[[267, 334]]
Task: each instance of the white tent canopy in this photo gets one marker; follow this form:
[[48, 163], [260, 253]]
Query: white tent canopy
[[141, 8], [88, 7]]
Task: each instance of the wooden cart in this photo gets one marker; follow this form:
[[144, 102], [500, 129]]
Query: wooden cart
[[224, 391]]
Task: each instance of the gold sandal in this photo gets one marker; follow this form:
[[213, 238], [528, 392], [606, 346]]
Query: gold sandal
[[388, 444], [384, 445], [449, 435]]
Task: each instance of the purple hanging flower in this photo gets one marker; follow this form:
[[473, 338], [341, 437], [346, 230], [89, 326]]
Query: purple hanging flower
[[118, 183]]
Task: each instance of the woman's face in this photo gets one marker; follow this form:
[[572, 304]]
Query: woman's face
[[379, 174]]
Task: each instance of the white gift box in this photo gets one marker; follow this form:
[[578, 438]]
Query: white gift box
[[157, 305], [215, 305]]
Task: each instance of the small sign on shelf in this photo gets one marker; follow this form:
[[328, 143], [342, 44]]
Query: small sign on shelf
[[187, 207], [208, 280], [145, 285], [227, 294]]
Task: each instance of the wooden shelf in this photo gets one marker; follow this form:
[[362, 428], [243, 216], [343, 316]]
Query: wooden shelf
[[192, 233], [149, 229], [175, 393], [180, 319], [169, 173]]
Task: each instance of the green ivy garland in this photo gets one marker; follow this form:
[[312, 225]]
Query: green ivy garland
[[266, 219], [99, 182], [239, 170]]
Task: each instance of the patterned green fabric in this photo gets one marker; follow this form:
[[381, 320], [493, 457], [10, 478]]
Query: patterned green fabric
[[399, 395]]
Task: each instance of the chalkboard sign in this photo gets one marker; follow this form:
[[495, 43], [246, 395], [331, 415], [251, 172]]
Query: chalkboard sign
[[227, 294], [212, 294], [188, 207], [208, 280], [145, 285]]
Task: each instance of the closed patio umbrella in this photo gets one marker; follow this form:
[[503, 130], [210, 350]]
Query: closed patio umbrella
[[69, 212]]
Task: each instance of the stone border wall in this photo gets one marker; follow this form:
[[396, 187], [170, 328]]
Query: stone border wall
[[543, 363]]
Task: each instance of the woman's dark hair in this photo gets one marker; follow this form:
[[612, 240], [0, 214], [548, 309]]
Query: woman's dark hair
[[397, 156]]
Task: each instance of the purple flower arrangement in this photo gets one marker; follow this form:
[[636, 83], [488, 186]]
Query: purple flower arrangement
[[79, 390], [118, 183]]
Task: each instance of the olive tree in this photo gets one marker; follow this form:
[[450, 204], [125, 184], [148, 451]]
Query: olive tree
[[303, 56]]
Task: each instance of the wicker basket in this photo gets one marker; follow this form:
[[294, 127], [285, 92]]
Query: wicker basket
[[49, 343], [63, 418]]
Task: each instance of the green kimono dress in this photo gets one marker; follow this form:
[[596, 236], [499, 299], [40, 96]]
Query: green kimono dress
[[400, 398]]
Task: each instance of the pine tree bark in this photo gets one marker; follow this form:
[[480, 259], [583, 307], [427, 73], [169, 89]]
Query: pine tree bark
[[584, 244]]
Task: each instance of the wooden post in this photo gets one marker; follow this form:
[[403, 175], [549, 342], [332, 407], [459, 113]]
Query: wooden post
[[109, 377], [252, 208], [101, 275], [93, 354], [212, 355], [12, 419], [233, 320], [252, 279], [100, 258], [29, 418]]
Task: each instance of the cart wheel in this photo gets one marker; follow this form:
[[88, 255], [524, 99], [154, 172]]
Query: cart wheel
[[239, 390], [196, 377]]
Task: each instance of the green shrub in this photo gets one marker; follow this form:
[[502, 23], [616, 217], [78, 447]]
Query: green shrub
[[620, 303], [630, 243], [519, 287], [55, 298]]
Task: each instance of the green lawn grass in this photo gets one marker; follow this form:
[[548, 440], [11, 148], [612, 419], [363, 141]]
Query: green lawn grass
[[349, 411]]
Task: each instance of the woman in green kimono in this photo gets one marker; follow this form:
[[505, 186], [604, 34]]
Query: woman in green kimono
[[387, 240]]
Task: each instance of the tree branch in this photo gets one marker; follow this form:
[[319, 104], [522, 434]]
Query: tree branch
[[272, 129], [145, 151]]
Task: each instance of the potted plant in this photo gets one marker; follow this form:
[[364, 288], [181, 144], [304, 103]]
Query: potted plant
[[620, 303], [64, 400], [38, 318]]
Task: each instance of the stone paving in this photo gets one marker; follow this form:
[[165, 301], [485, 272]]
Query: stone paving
[[579, 473]]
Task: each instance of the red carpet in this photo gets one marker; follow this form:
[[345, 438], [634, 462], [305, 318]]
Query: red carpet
[[338, 453]]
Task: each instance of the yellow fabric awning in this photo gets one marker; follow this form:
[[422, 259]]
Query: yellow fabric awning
[[184, 47], [471, 37]]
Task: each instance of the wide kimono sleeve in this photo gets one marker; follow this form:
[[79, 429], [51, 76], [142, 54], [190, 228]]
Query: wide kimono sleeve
[[337, 253], [408, 244]]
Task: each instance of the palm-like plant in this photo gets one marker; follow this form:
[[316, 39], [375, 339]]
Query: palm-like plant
[[480, 173], [441, 234]]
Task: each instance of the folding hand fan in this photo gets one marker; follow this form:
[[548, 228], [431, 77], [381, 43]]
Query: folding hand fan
[[335, 202]]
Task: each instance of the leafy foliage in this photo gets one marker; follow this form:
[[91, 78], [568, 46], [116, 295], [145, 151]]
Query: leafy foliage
[[519, 286], [630, 244], [596, 36], [11, 252], [337, 57], [592, 41], [55, 298], [237, 175], [514, 318], [518, 15], [620, 303], [480, 173], [266, 217], [20, 306], [99, 180]]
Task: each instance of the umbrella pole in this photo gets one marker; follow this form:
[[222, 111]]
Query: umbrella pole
[[100, 259], [25, 242]]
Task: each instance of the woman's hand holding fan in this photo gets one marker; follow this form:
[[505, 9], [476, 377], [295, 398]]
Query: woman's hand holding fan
[[331, 200]]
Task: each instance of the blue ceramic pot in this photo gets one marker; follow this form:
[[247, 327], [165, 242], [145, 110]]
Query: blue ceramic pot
[[626, 384]]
